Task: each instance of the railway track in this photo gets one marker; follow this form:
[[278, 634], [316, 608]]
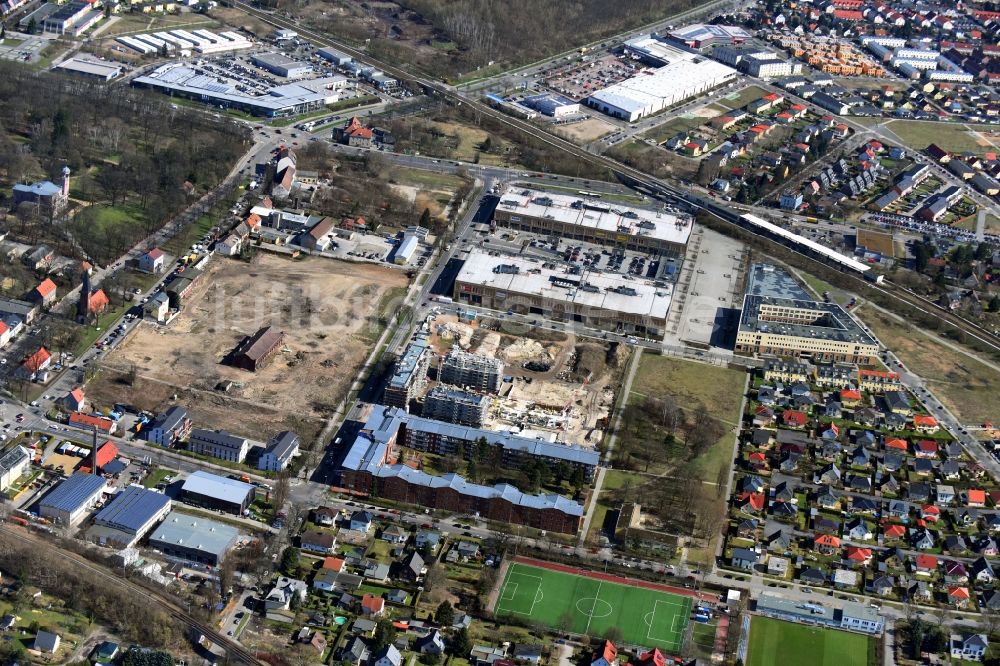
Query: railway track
[[236, 652], [628, 174]]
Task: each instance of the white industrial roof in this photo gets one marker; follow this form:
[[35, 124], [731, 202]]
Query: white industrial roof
[[90, 67], [592, 214], [606, 291], [653, 47], [673, 82]]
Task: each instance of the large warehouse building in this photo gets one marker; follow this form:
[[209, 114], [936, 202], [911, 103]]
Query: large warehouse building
[[282, 65], [780, 319], [194, 538], [128, 517], [71, 500], [684, 75], [286, 100], [217, 492], [576, 218], [605, 301]]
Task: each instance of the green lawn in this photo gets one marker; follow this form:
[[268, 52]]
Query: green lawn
[[742, 98], [587, 606], [156, 476], [773, 641], [955, 137]]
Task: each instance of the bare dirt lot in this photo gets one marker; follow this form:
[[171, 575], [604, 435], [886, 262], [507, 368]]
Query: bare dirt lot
[[328, 311], [585, 131]]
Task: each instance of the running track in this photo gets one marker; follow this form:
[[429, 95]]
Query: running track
[[621, 580]]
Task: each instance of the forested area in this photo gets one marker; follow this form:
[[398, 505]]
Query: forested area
[[524, 30], [129, 615], [449, 38], [136, 159]]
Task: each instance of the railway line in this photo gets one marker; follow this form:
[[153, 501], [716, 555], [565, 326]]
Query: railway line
[[235, 652], [628, 175]]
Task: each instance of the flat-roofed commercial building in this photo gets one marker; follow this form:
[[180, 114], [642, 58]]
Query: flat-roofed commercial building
[[282, 65], [129, 516], [604, 301], [803, 328], [72, 499], [576, 218], [90, 69], [649, 93], [194, 538], [780, 319], [216, 492], [290, 99]]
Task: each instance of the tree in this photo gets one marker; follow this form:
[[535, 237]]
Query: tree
[[995, 303], [460, 645], [385, 634], [289, 559], [281, 488], [434, 579], [425, 218], [614, 634], [445, 614]]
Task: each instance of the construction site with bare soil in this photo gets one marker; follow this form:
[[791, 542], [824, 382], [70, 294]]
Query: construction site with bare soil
[[556, 384], [329, 312]]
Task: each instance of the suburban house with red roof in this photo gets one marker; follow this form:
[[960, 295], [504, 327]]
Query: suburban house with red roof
[[827, 544], [607, 655], [896, 444], [97, 302], [654, 658], [894, 531], [850, 397], [152, 261], [372, 606], [34, 366], [75, 401], [751, 502], [334, 564], [858, 555], [89, 421], [975, 497], [925, 424], [958, 595], [106, 452], [926, 564], [44, 293], [930, 513], [794, 418], [926, 448]]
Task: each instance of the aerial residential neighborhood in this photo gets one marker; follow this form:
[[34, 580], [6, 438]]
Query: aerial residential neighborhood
[[462, 333]]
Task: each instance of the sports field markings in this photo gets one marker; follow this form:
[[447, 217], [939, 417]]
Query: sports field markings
[[536, 598], [597, 597], [512, 586], [675, 631], [588, 606]]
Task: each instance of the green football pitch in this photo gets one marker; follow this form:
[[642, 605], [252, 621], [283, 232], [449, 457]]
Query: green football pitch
[[585, 605], [792, 644]]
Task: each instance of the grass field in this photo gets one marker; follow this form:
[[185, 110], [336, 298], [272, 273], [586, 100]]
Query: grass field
[[588, 606], [742, 98], [955, 137], [961, 382], [794, 644]]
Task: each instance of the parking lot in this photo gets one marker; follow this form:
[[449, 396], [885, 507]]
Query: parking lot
[[23, 47], [580, 79]]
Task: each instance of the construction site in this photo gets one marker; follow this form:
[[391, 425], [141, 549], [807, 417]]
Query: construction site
[[556, 385], [328, 311]]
